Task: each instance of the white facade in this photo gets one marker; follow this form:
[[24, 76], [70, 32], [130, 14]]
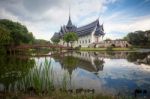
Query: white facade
[[84, 41]]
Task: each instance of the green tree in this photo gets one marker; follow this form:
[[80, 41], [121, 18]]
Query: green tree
[[55, 40], [4, 40], [70, 62], [4, 37], [18, 32], [70, 37], [19, 66], [137, 38], [148, 35]]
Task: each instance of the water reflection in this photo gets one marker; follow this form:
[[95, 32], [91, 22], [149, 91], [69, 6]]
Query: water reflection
[[139, 58], [108, 73], [82, 60], [13, 69], [114, 73]]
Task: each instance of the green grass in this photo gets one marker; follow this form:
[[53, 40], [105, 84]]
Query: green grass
[[105, 49], [64, 95]]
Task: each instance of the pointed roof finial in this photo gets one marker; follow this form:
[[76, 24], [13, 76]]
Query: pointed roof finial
[[69, 10], [69, 21], [99, 14]]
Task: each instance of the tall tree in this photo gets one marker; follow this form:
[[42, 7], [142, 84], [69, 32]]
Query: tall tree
[[4, 37], [5, 40], [18, 32], [70, 37]]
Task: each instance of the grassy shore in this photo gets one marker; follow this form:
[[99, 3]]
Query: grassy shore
[[108, 49], [62, 95]]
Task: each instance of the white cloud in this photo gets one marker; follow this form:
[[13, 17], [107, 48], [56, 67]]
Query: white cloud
[[44, 18], [7, 15], [119, 24]]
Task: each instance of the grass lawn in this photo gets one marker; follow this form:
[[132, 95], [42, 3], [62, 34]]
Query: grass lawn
[[106, 49]]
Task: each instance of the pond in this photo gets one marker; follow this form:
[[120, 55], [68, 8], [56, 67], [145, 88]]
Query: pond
[[108, 73]]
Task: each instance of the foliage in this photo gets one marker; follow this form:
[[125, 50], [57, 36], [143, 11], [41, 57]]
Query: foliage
[[40, 41], [70, 37], [70, 63], [65, 95], [138, 38], [109, 48], [108, 39], [105, 49], [99, 64], [4, 36], [134, 56], [55, 40], [5, 40], [77, 48], [14, 68], [18, 32], [148, 35]]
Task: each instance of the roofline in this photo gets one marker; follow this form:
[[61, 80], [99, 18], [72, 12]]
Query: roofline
[[89, 23]]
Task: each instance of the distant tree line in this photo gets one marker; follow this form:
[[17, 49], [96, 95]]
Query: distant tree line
[[41, 42], [139, 38]]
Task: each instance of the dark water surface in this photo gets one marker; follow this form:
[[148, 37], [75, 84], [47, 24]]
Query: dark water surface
[[111, 73]]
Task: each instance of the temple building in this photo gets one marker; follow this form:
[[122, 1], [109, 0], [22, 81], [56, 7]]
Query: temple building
[[89, 34]]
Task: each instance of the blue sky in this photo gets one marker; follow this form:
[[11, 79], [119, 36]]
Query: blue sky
[[44, 17]]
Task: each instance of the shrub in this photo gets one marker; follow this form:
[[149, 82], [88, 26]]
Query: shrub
[[77, 48], [110, 48]]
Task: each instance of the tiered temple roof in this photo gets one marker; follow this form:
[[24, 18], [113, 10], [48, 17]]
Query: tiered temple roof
[[81, 31]]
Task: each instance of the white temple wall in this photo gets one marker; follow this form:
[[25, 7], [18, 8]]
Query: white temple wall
[[63, 43], [83, 41], [92, 36]]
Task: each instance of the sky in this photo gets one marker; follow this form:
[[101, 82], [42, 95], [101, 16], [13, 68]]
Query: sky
[[45, 17]]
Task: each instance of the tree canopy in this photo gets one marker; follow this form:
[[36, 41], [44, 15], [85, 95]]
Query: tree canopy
[[4, 36], [18, 32], [70, 37], [55, 40], [138, 37]]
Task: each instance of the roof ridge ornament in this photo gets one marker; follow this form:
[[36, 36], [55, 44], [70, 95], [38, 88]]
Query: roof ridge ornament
[[69, 21]]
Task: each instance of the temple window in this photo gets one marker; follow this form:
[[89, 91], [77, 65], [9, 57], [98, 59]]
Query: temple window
[[85, 41]]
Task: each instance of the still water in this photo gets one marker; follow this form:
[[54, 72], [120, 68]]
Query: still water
[[110, 73]]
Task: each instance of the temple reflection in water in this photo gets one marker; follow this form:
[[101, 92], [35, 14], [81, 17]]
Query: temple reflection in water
[[103, 71], [91, 61], [97, 72]]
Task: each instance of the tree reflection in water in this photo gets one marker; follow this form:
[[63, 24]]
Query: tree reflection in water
[[13, 69], [139, 58], [94, 61], [18, 72], [99, 64]]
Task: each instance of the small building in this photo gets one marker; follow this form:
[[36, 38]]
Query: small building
[[113, 43], [87, 35]]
